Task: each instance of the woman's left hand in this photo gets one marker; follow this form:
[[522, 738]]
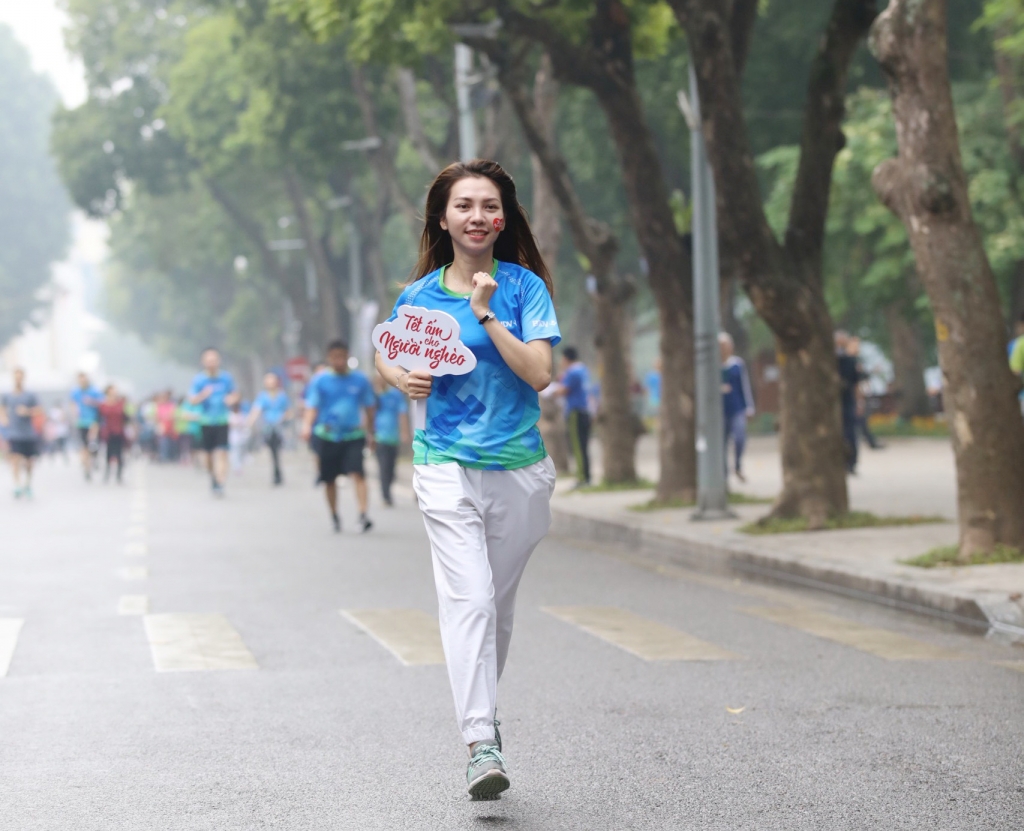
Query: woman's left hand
[[484, 287]]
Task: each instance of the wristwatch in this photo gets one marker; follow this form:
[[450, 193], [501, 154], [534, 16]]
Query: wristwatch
[[488, 316]]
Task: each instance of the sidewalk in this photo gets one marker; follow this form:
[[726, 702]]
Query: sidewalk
[[911, 476]]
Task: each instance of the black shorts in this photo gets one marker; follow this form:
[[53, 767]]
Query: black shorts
[[340, 458], [83, 435], [215, 437], [24, 447]]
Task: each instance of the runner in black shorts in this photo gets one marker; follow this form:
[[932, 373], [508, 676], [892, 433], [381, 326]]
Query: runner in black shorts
[[212, 393], [17, 410], [339, 411]]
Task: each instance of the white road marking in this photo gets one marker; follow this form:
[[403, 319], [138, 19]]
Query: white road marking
[[133, 573], [647, 639], [133, 604], [883, 643], [1017, 666], [136, 529], [10, 628], [192, 642], [410, 635], [135, 549]]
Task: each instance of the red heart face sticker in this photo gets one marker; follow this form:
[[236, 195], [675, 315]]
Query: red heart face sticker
[[499, 224]]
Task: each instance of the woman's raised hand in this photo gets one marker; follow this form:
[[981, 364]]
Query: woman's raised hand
[[416, 384], [484, 287]]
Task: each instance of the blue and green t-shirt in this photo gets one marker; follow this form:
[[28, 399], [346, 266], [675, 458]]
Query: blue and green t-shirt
[[391, 406], [213, 409], [272, 407], [87, 401], [338, 401], [486, 419]]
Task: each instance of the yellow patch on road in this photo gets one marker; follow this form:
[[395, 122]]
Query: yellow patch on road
[[410, 635], [1018, 666], [883, 643], [133, 573], [135, 549], [192, 642], [10, 628], [133, 604], [640, 636]]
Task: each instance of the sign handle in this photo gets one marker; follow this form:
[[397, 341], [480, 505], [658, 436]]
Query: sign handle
[[419, 414]]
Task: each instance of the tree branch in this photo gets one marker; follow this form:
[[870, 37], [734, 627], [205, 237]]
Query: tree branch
[[411, 115], [822, 136]]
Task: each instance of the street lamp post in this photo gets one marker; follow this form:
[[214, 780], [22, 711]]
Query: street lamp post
[[463, 83], [712, 485]]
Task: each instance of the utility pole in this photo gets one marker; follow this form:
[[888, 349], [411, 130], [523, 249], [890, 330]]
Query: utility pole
[[467, 119], [712, 484]]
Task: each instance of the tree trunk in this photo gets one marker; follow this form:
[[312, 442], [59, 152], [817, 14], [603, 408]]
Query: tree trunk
[[784, 281], [927, 188], [413, 123], [619, 426], [546, 223], [908, 362], [604, 64], [596, 242], [325, 280]]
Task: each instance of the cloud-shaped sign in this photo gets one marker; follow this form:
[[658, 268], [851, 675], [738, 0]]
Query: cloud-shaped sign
[[420, 338]]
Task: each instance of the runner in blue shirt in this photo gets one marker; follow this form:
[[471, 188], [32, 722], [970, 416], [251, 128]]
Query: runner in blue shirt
[[17, 410], [213, 392], [575, 387], [87, 399], [339, 410], [273, 405], [480, 471], [391, 430]]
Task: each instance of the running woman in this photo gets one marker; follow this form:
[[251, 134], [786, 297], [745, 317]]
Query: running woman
[[480, 470], [273, 405], [113, 423], [339, 412], [18, 409], [87, 399], [390, 430], [213, 392]]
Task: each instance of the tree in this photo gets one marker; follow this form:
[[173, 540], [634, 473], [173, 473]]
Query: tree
[[926, 186], [33, 206], [783, 278]]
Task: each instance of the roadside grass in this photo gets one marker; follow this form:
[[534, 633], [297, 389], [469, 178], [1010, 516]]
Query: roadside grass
[[894, 426], [613, 487], [854, 519], [734, 499], [946, 557]]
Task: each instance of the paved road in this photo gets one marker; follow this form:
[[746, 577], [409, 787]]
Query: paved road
[[245, 699]]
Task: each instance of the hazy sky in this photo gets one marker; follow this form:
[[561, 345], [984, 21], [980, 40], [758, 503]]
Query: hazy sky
[[38, 24]]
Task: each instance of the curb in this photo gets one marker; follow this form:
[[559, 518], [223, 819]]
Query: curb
[[732, 556]]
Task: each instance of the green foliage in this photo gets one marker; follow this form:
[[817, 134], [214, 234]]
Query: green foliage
[[948, 556], [854, 519], [33, 205]]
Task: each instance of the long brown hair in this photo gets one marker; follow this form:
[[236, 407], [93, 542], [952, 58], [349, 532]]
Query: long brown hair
[[515, 244]]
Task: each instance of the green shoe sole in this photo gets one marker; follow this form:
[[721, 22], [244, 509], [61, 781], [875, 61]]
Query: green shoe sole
[[489, 786]]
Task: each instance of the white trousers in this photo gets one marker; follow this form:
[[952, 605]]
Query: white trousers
[[483, 526]]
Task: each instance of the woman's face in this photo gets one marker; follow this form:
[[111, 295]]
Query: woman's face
[[474, 216]]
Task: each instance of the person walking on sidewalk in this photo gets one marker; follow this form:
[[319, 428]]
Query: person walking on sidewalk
[[850, 377], [481, 473], [18, 410], [339, 412], [574, 387], [213, 392], [737, 401], [391, 431], [87, 399], [275, 408]]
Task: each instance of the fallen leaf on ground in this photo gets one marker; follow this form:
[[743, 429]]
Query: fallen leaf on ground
[[735, 710]]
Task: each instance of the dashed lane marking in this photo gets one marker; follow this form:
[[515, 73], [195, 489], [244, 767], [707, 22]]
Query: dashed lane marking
[[133, 573], [10, 628], [1018, 666], [133, 604], [883, 643], [640, 636], [135, 549], [410, 635], [194, 642], [135, 530]]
